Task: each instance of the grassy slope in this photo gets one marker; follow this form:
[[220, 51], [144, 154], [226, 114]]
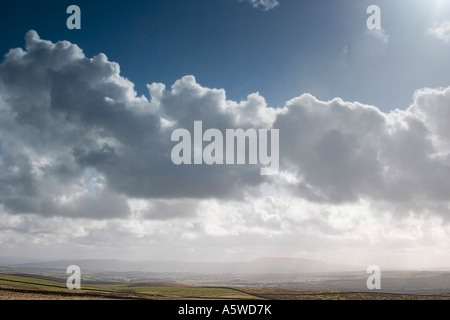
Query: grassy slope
[[24, 287]]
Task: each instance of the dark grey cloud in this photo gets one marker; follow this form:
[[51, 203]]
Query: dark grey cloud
[[170, 209], [333, 145], [64, 113]]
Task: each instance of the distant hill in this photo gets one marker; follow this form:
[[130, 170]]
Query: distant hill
[[257, 266], [14, 260]]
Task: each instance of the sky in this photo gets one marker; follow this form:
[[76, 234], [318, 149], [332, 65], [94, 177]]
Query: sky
[[86, 118]]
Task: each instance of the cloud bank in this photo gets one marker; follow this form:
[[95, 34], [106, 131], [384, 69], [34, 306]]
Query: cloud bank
[[77, 142], [75, 135]]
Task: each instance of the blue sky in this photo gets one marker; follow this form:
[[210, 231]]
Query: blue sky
[[320, 47], [85, 164]]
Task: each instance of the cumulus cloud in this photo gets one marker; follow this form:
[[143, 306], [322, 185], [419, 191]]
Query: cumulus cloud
[[76, 141], [68, 120], [346, 151], [440, 31]]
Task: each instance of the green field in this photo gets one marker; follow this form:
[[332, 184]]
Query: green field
[[21, 286]]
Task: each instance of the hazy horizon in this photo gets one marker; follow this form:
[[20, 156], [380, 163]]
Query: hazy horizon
[[208, 266]]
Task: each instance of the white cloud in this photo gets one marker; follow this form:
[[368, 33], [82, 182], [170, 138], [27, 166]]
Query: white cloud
[[264, 5], [379, 34], [284, 226], [344, 52], [440, 31]]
